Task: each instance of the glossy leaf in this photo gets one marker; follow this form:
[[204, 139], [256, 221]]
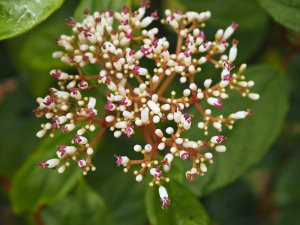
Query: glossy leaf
[[84, 206], [285, 12], [251, 138], [185, 209], [19, 16], [34, 186]]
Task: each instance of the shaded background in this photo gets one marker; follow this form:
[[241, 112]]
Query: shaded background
[[269, 191]]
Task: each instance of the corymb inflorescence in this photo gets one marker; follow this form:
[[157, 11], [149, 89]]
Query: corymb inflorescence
[[140, 97]]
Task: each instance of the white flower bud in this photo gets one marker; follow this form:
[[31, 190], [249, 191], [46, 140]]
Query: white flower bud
[[177, 117], [161, 146], [200, 95], [92, 103], [137, 148], [193, 170], [217, 125], [61, 169], [117, 133], [239, 115], [203, 168], [163, 194], [186, 92], [193, 86], [70, 150], [212, 101], [208, 155], [52, 163], [112, 86], [170, 130], [139, 178], [166, 107], [41, 133], [220, 148], [207, 83], [201, 125], [146, 21], [148, 148], [62, 119], [155, 172], [109, 118], [229, 31], [145, 115], [154, 107], [127, 115], [253, 96], [232, 53], [224, 83], [169, 157], [70, 126], [138, 122], [81, 163], [121, 125], [159, 133], [89, 151], [219, 34]]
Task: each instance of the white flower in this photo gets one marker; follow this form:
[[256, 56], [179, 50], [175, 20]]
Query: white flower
[[164, 198]]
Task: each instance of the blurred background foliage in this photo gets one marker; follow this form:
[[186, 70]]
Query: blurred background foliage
[[255, 182]]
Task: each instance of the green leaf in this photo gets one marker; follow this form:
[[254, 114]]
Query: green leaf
[[285, 12], [243, 205], [34, 186], [287, 192], [96, 5], [185, 209], [19, 16], [17, 123], [84, 206], [32, 54], [252, 30], [125, 200], [38, 45], [251, 138]]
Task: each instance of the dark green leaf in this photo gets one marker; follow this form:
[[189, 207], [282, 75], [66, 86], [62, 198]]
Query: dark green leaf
[[251, 138], [96, 5], [285, 12], [17, 123], [243, 205], [185, 208], [287, 190], [34, 186], [125, 200], [19, 16], [32, 52], [84, 206], [287, 193], [37, 46]]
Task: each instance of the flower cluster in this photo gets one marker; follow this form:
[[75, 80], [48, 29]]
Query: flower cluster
[[120, 44]]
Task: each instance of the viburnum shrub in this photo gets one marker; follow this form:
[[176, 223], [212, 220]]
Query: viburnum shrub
[[138, 96]]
